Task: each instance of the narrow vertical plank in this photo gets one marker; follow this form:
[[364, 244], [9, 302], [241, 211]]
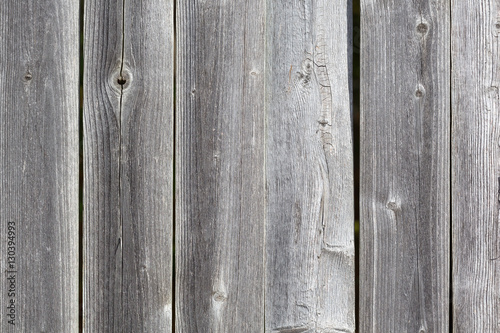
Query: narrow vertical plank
[[39, 166], [220, 192], [405, 182], [476, 165], [309, 167], [128, 191]]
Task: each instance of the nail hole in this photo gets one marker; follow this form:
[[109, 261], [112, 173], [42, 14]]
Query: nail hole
[[121, 81], [419, 93], [497, 25], [422, 28], [28, 76]]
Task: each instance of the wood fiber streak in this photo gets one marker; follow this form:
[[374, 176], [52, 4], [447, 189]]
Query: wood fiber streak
[[309, 167], [475, 49], [405, 166], [39, 163], [220, 189], [128, 163]]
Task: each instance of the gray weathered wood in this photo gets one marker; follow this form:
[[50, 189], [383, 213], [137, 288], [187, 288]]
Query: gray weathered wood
[[128, 191], [309, 164], [405, 183], [220, 185], [476, 165], [39, 164]]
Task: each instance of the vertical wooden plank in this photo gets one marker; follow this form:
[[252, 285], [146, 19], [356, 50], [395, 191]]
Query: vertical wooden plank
[[128, 121], [405, 182], [220, 166], [476, 165], [39, 166], [309, 164]]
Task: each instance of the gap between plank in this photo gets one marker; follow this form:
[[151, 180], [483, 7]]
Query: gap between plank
[[174, 160], [80, 170]]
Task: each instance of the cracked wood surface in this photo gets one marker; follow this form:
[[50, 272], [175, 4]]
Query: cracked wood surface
[[476, 167], [405, 167], [128, 169], [309, 163], [39, 164], [264, 111]]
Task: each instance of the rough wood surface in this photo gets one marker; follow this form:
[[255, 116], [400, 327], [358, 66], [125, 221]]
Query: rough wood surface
[[128, 126], [39, 165], [220, 191], [309, 164], [476, 167], [405, 182]]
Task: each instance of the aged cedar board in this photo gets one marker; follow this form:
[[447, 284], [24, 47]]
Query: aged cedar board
[[405, 166], [309, 167], [39, 165], [220, 188], [476, 165], [128, 165]]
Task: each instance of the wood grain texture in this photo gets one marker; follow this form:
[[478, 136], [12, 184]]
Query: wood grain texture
[[220, 189], [309, 168], [476, 166], [39, 164], [128, 191], [405, 182]]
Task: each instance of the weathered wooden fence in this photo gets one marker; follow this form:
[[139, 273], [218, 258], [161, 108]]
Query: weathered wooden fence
[[216, 176]]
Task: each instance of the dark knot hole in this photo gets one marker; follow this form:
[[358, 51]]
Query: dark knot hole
[[121, 81]]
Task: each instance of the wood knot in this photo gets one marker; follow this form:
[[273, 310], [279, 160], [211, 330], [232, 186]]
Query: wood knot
[[496, 27], [391, 205], [422, 28], [254, 72], [307, 66], [121, 80], [219, 296], [420, 92]]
